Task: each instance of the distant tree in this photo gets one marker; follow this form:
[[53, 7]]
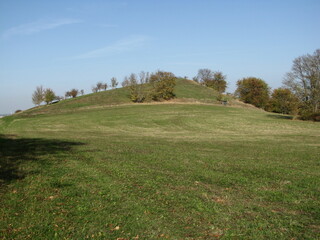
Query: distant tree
[[99, 86], [254, 91], [137, 91], [94, 89], [203, 76], [104, 86], [144, 77], [163, 85], [304, 81], [114, 82], [215, 80], [38, 95], [283, 101], [67, 94], [49, 95], [125, 82], [74, 92], [17, 111], [82, 92]]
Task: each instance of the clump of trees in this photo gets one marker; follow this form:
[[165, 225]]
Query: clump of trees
[[215, 80], [254, 91], [100, 86], [283, 101], [43, 95], [157, 86]]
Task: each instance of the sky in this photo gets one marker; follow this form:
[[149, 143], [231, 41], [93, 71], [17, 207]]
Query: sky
[[76, 43]]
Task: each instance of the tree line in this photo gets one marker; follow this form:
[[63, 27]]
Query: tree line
[[299, 95]]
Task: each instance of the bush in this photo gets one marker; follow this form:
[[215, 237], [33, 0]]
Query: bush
[[163, 85], [254, 91], [283, 101]]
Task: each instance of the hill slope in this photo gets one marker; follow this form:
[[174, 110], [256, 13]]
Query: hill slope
[[185, 90]]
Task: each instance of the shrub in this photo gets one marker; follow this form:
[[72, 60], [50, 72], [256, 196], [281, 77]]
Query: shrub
[[163, 85], [254, 91]]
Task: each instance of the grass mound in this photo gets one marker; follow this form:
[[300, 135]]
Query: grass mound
[[185, 91]]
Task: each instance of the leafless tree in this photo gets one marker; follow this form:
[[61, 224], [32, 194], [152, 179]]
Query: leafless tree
[[125, 82], [38, 95], [304, 80], [94, 89], [99, 86], [114, 82]]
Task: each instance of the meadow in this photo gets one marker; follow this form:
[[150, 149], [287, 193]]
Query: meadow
[[159, 171]]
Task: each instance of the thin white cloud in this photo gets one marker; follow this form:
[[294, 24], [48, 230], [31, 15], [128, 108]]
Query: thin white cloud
[[38, 26], [124, 45]]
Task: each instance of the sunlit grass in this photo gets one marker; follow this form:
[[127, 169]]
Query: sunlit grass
[[160, 171]]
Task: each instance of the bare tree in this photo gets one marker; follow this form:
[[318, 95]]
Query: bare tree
[[67, 94], [304, 80], [144, 77], [38, 96], [95, 89], [82, 92], [104, 86], [99, 86], [114, 82], [204, 75], [125, 82]]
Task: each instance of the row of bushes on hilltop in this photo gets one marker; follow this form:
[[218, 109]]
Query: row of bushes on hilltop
[[300, 94]]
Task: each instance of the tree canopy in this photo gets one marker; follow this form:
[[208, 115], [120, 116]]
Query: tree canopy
[[254, 91], [304, 80]]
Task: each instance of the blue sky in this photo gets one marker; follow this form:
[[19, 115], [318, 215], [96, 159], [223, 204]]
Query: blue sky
[[74, 44]]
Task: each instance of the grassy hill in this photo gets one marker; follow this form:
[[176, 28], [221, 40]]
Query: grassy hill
[[158, 171], [185, 90]]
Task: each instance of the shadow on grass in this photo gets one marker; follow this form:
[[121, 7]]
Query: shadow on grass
[[14, 151], [278, 116]]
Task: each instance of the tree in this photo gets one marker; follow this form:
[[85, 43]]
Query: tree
[[204, 75], [125, 82], [254, 91], [114, 82], [38, 96], [283, 101], [104, 86], [74, 92], [67, 94], [82, 92], [99, 86], [95, 89], [144, 77], [137, 90], [163, 85], [49, 95], [215, 80], [304, 81]]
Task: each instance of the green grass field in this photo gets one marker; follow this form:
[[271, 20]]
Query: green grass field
[[159, 171]]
